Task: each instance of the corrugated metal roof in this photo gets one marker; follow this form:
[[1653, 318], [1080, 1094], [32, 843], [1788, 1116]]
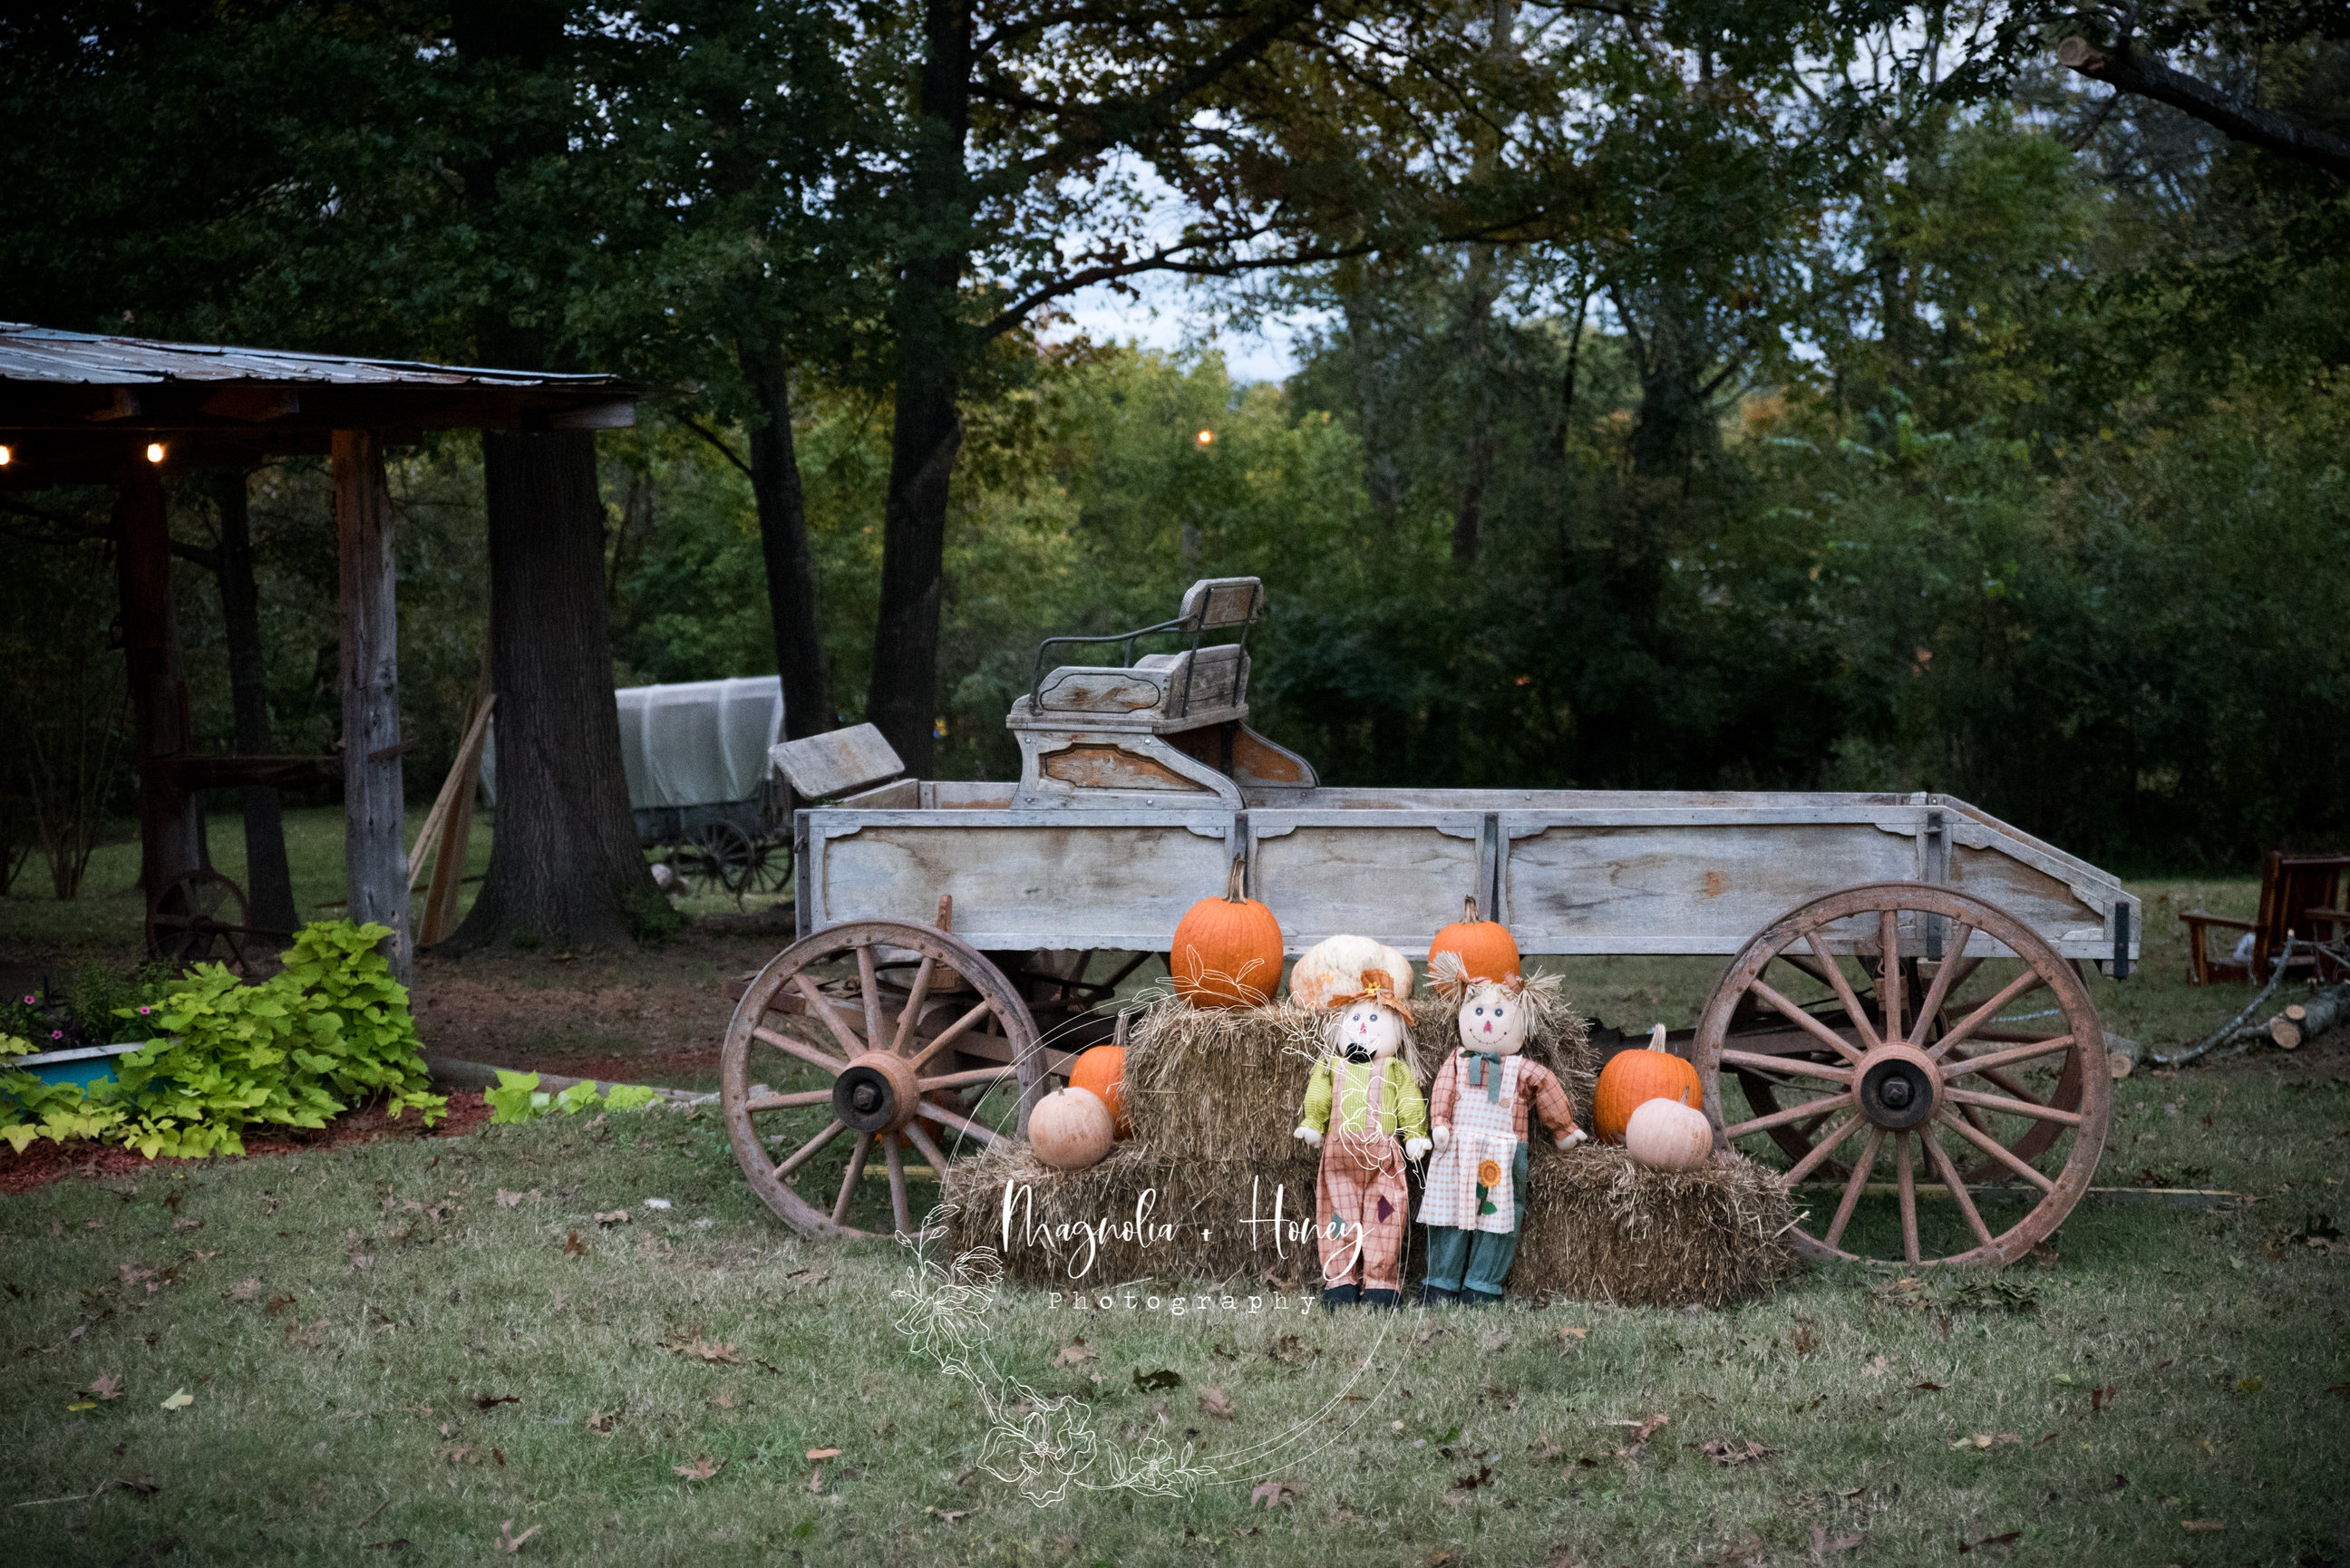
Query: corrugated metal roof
[[41, 354]]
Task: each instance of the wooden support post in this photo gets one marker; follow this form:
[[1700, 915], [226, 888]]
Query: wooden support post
[[375, 864], [167, 828]]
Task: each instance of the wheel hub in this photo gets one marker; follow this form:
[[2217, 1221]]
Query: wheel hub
[[1899, 1087], [876, 1093]]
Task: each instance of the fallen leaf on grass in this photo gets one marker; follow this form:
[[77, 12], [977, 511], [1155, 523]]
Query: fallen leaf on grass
[[1483, 1477], [2009, 1539], [1290, 1351], [2202, 1525], [1728, 1451], [1930, 1387], [1496, 1340], [947, 1516], [2101, 1397], [1273, 1494], [1213, 1403], [83, 1405], [1151, 1382], [1987, 1439], [187, 1224], [1823, 1543], [508, 1199], [244, 1290], [820, 1454], [573, 1247], [610, 1217], [2340, 1390], [106, 1387], [600, 1422], [1075, 1352], [714, 1352], [180, 1401], [492, 1401], [509, 1542], [277, 1304], [701, 1469], [1646, 1429]]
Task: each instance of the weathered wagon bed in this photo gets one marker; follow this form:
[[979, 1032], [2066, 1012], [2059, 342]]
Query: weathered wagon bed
[[1878, 945]]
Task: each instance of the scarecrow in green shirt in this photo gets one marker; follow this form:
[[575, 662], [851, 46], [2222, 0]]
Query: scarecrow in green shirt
[[1361, 1098]]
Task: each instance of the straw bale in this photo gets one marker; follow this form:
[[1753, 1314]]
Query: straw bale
[[1600, 1228]]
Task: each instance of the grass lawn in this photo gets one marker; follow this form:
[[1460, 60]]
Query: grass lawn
[[338, 1320]]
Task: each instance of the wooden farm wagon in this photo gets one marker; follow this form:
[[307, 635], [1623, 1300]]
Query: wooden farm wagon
[[1902, 1026]]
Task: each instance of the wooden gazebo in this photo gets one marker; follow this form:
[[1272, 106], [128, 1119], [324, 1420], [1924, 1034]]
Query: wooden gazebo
[[81, 408]]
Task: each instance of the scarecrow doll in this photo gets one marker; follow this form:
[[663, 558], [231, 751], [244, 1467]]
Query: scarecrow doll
[[1360, 1099], [1480, 1106]]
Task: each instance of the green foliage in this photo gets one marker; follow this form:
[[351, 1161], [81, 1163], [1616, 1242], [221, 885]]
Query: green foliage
[[332, 1029], [518, 1098]]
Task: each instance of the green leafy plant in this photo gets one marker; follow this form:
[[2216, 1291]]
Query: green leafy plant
[[330, 1031], [518, 1098]]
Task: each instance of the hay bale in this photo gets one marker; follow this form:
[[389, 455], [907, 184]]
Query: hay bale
[[1600, 1228]]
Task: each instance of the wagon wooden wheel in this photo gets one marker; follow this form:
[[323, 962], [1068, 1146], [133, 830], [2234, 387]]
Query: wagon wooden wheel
[[1924, 1063], [894, 1057], [197, 917]]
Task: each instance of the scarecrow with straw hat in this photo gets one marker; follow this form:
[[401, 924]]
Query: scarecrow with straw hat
[[1481, 1105], [1360, 1099]]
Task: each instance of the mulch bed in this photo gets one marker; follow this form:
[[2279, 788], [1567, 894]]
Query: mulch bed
[[44, 1161]]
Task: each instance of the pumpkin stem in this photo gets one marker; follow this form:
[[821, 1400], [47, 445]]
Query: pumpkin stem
[[1468, 909], [1657, 1040], [1235, 881]]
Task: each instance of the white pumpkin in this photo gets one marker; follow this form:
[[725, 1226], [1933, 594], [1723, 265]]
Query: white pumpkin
[[1071, 1129], [1665, 1135], [1335, 968]]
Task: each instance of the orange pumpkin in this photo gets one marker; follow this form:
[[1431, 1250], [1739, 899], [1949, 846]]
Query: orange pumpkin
[[1227, 951], [1631, 1078], [1486, 948], [1102, 1070]]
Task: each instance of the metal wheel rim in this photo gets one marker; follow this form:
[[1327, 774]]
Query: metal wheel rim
[[2084, 1054], [862, 938]]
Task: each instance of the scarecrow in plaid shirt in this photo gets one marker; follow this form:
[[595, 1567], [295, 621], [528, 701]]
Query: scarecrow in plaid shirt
[[1480, 1107], [1359, 1100]]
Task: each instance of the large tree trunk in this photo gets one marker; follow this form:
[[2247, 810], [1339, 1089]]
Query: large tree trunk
[[268, 881], [566, 869], [784, 543], [928, 430]]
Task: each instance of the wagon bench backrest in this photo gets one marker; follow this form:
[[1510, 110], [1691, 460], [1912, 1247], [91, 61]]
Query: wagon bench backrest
[[1171, 686]]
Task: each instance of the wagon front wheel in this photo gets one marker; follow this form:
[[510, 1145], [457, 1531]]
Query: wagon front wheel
[[1928, 1070], [880, 1063]]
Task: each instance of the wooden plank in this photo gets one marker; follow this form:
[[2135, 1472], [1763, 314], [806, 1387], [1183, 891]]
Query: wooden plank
[[439, 917], [821, 767], [375, 865]]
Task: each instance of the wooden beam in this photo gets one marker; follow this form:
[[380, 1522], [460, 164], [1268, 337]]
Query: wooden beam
[[375, 864], [167, 829]]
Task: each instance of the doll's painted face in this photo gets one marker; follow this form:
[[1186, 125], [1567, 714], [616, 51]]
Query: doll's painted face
[[1366, 1030], [1493, 1020]]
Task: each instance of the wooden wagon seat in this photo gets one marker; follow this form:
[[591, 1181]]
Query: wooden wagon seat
[[1170, 691], [2300, 894]]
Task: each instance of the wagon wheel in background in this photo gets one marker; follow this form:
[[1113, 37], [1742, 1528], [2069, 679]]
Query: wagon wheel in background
[[890, 1051], [1938, 1076], [729, 857], [196, 918]]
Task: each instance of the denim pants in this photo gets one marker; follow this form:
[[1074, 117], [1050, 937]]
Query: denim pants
[[1479, 1260]]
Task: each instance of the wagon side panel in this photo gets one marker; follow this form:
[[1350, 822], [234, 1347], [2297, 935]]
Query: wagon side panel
[[1395, 877]]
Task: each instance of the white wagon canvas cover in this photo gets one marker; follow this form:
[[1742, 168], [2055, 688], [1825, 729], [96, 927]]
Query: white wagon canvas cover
[[693, 742]]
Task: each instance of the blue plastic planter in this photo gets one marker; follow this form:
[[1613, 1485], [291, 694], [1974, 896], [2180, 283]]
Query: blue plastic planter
[[83, 1064]]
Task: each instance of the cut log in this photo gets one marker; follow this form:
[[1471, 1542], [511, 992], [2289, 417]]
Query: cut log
[[2304, 1021]]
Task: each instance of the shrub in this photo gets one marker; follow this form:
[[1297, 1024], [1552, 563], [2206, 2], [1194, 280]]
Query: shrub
[[518, 1098], [330, 1031]]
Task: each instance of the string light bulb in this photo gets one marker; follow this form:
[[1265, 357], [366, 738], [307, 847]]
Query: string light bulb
[[1207, 438], [7, 456], [155, 452]]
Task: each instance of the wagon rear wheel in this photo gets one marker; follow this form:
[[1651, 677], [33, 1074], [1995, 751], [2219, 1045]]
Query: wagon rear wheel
[[199, 917], [886, 1064], [1926, 1070]]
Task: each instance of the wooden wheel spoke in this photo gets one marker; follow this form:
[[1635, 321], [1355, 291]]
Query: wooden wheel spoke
[[1853, 1189], [1806, 1021], [953, 1031], [810, 1150], [926, 1147], [869, 986], [1793, 1113], [799, 1048], [893, 1145], [1994, 1060], [1757, 1062], [912, 1011], [1852, 1010], [848, 1180], [1949, 1175], [1908, 1178], [1822, 1149], [2030, 980], [1945, 973], [2000, 1152], [963, 1079], [825, 1008], [1889, 971], [2001, 1103], [788, 1102], [1802, 965], [964, 1125]]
